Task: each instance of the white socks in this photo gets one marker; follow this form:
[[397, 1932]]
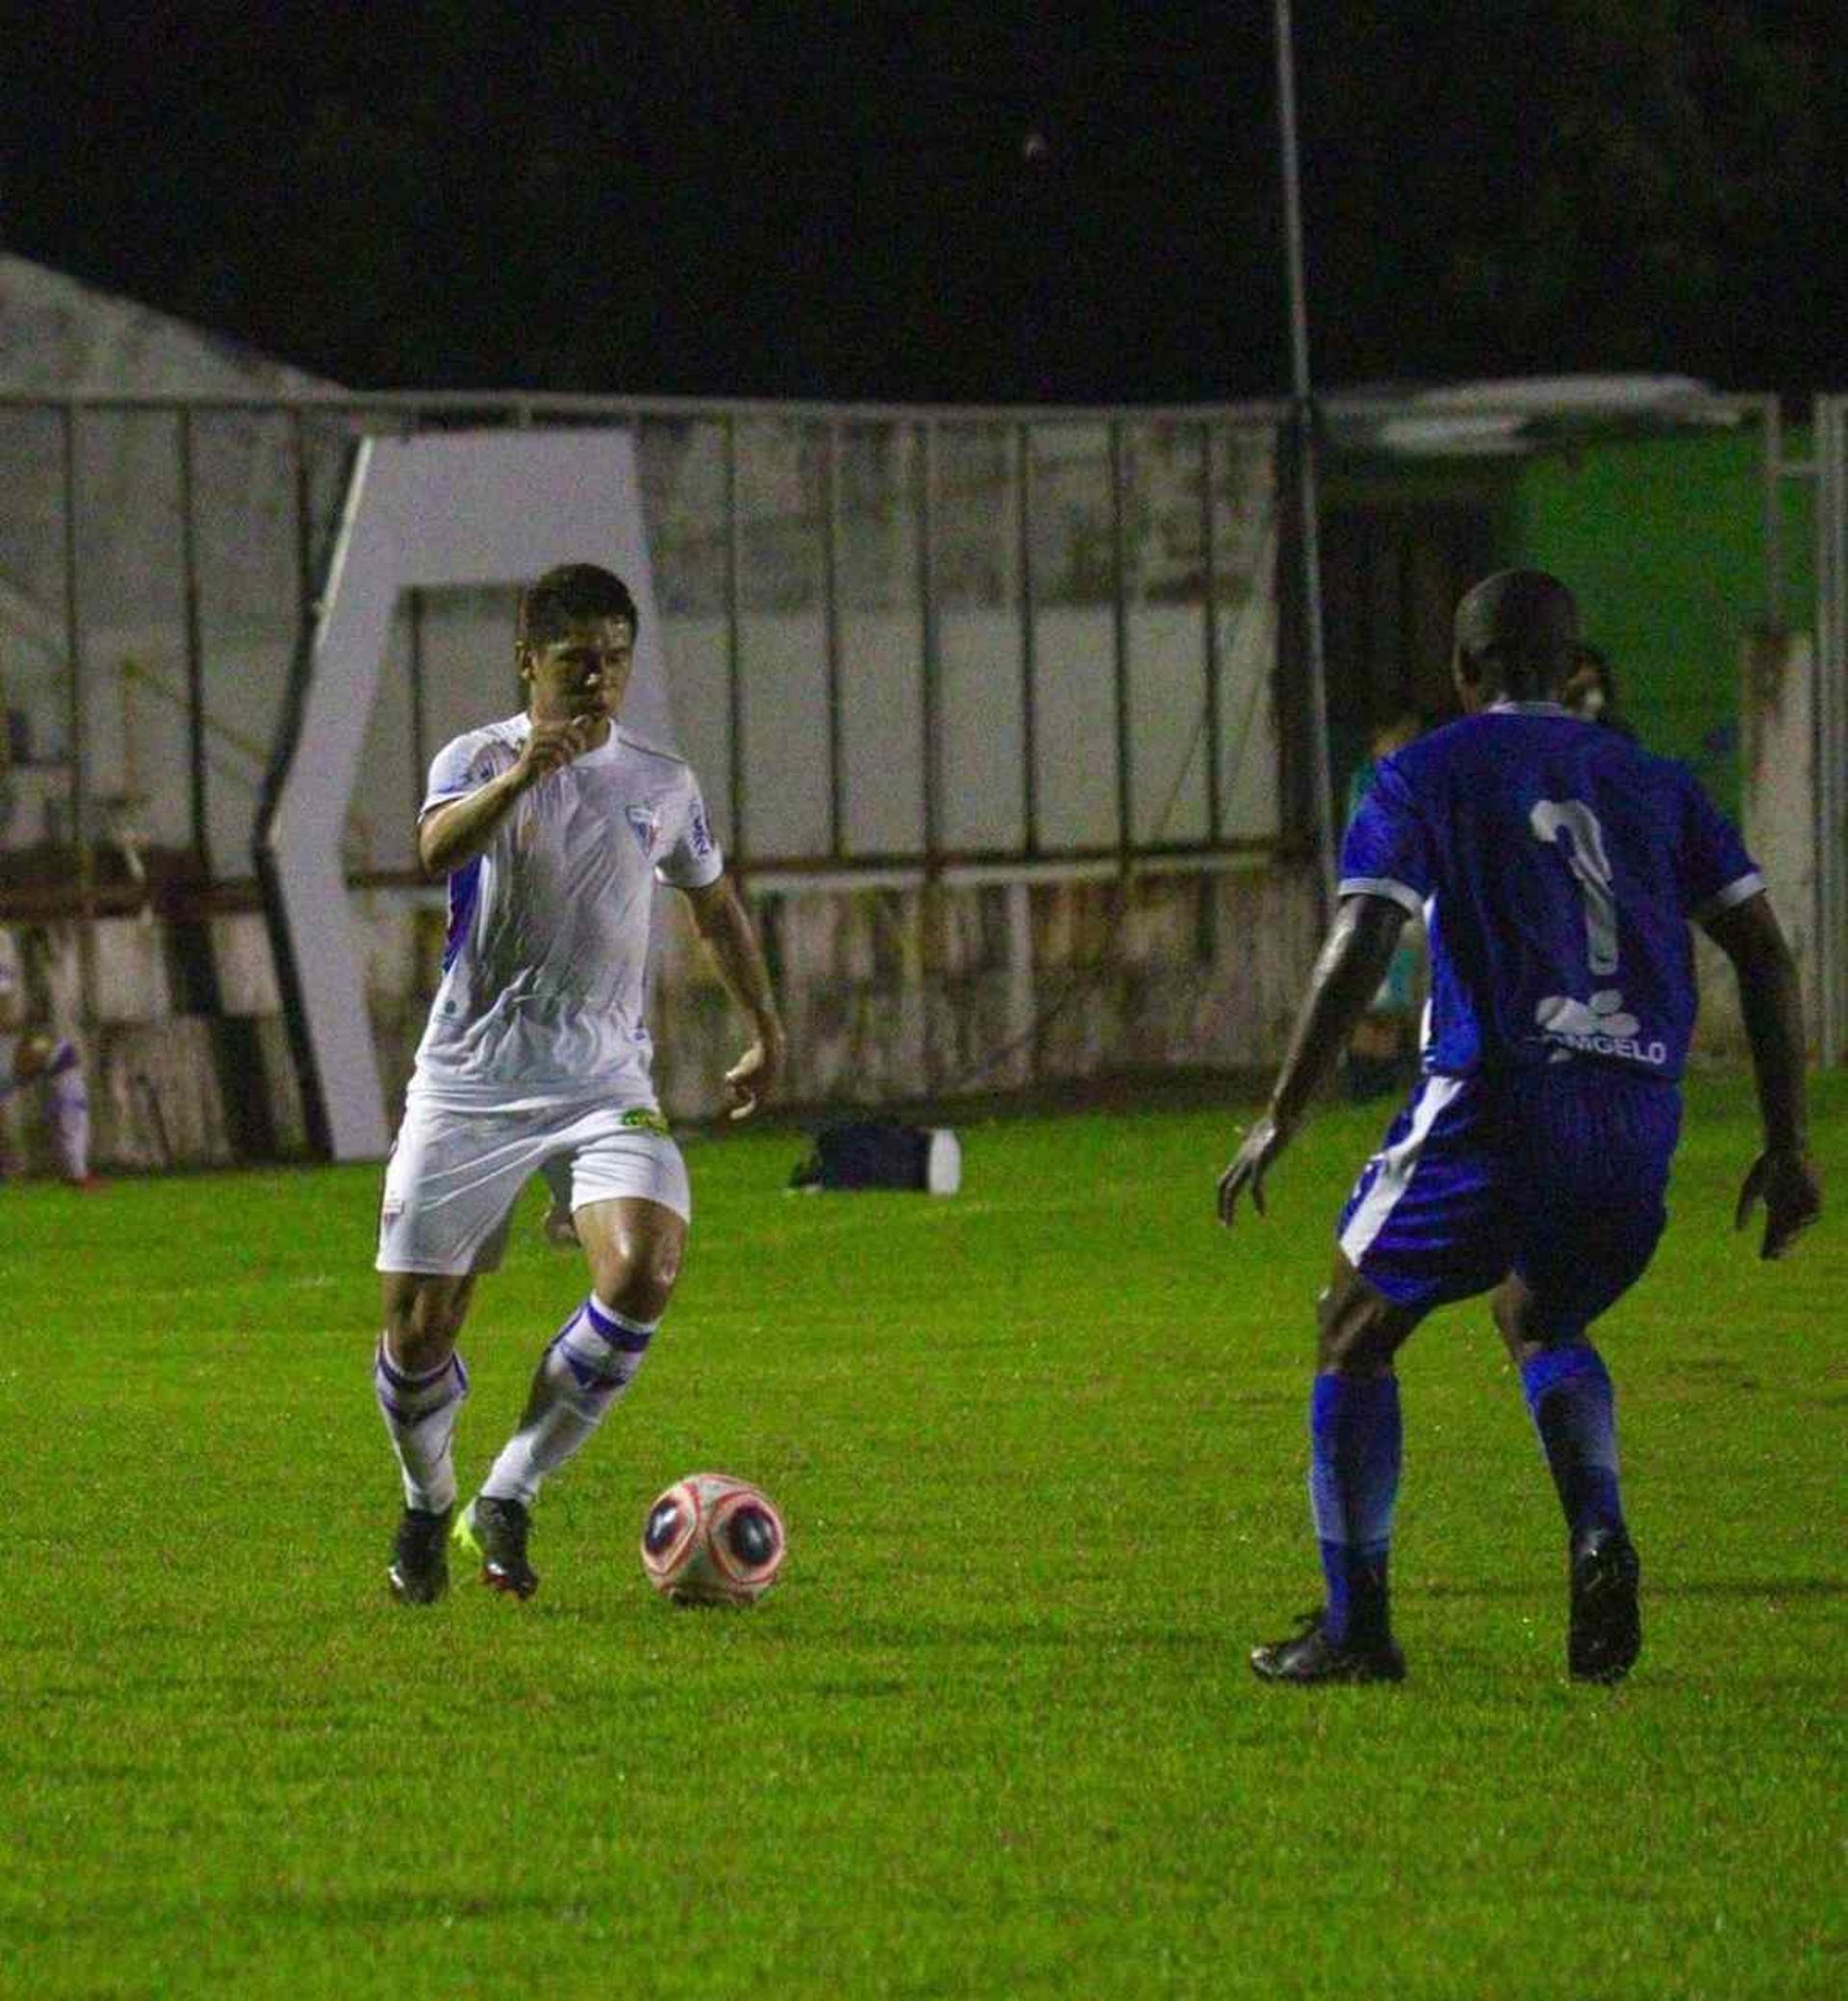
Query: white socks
[[591, 1361], [420, 1414]]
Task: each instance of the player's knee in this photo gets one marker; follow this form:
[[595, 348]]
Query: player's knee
[[636, 1276], [1514, 1321], [636, 1263], [422, 1322], [1527, 1325], [1357, 1333], [1356, 1350]]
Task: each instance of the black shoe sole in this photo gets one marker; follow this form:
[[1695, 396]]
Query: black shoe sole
[[507, 1585], [1340, 1667], [1351, 1675]]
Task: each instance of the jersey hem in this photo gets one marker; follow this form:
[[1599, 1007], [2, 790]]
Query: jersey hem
[[1525, 1059], [530, 1097]]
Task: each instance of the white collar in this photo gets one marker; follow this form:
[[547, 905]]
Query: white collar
[[1509, 707]]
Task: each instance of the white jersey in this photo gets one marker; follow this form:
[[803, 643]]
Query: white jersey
[[544, 970]]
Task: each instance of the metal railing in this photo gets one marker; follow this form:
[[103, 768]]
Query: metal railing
[[154, 536]]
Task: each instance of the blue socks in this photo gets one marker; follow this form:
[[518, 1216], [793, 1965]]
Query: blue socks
[[1568, 1390], [1355, 1438], [1356, 1442]]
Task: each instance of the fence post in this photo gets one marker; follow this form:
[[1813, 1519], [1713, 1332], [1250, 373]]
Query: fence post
[[195, 651]]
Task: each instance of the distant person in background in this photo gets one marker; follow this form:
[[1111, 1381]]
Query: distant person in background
[[552, 828], [1590, 692], [1561, 867], [1384, 1045], [49, 1062]]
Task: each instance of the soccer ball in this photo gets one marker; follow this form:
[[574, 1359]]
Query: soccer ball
[[712, 1540]]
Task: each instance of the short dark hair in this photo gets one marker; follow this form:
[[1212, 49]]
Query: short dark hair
[[567, 597], [1524, 623]]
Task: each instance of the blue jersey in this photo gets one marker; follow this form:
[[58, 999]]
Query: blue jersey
[[1557, 865]]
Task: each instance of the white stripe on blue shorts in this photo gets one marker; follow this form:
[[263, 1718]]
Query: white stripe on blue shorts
[[1397, 1166]]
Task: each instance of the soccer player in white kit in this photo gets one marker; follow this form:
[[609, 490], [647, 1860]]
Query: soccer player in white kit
[[33, 1056], [552, 828]]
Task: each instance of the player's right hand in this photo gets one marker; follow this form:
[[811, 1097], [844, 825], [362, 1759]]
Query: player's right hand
[[1791, 1192], [553, 744]]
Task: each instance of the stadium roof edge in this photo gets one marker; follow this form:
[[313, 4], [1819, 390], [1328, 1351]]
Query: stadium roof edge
[[61, 336]]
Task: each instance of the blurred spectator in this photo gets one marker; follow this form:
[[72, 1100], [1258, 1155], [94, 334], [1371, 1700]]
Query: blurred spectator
[[1591, 691], [47, 1062]]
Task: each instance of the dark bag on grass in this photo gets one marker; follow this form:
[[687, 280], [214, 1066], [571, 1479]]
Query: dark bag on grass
[[859, 1154]]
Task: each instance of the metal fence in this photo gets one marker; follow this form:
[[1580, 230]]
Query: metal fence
[[894, 637], [897, 639]]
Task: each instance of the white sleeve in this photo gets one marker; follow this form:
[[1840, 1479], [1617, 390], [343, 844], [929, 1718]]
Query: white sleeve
[[691, 859], [464, 766]]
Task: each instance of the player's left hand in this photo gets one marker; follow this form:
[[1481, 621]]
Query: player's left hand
[[1787, 1185], [1259, 1147], [753, 1078]]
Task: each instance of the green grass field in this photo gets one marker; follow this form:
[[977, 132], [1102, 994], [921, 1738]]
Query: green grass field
[[1041, 1451]]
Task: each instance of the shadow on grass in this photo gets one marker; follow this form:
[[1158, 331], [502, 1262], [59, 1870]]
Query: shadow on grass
[[1750, 1587], [1055, 1635], [340, 1908], [1742, 1589]]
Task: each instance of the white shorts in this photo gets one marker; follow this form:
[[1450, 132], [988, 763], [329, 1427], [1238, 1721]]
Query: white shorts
[[454, 1175]]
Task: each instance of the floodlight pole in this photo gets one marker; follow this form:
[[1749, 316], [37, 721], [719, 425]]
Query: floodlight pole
[[1307, 430]]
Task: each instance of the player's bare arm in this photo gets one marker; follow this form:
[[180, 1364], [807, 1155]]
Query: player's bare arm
[[452, 835], [1345, 978], [574, 682], [722, 920], [1783, 1178]]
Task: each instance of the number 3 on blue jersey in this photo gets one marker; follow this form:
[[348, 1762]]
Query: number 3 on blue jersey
[[1585, 857]]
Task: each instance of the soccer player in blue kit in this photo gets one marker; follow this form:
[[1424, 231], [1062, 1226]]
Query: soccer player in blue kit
[[1557, 865]]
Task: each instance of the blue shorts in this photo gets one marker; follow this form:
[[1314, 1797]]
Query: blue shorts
[[1557, 1173]]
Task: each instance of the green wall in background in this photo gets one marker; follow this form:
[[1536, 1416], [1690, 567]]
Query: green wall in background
[[1662, 539]]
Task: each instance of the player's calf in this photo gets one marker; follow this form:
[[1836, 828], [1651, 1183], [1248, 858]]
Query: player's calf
[[1355, 1435], [421, 1412], [589, 1363]]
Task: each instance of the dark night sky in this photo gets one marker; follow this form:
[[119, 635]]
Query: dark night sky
[[945, 201]]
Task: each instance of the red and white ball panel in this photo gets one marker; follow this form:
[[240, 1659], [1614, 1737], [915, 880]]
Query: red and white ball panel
[[713, 1539]]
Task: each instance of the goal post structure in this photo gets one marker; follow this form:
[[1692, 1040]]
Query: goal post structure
[[463, 508]]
